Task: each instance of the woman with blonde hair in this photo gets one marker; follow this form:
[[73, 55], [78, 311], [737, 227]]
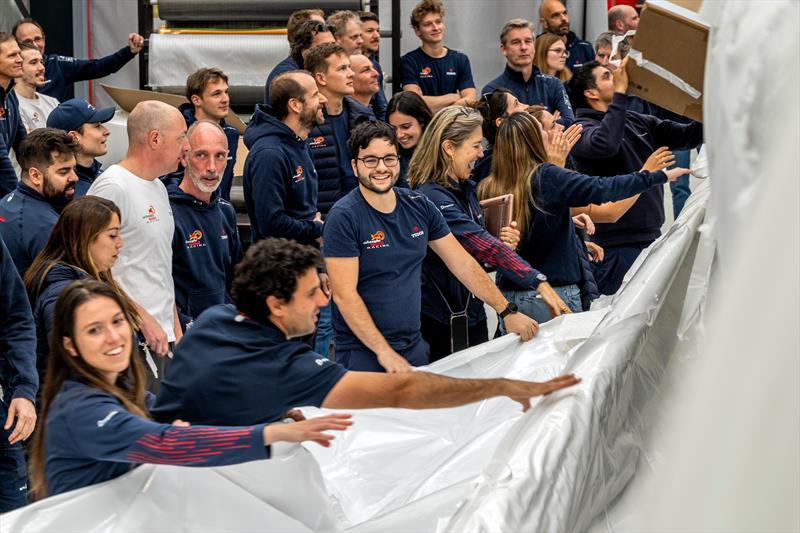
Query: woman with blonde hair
[[551, 56], [440, 169], [543, 195]]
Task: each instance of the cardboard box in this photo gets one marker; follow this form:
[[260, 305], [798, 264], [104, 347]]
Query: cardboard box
[[672, 38]]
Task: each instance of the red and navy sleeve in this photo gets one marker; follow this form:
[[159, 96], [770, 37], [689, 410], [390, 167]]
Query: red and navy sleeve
[[104, 430]]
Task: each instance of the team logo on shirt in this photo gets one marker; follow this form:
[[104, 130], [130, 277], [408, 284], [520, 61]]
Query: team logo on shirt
[[376, 240], [451, 72], [222, 235], [195, 239], [151, 215], [298, 173], [426, 72], [317, 142], [416, 232]]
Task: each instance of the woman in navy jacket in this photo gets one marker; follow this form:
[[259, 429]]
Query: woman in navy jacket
[[543, 195], [95, 407]]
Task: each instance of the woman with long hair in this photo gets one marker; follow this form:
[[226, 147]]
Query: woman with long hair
[[94, 405], [493, 107], [543, 195], [84, 243], [551, 56], [440, 169], [408, 113]]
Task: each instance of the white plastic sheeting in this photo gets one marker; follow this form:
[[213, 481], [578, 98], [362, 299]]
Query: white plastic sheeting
[[484, 466]]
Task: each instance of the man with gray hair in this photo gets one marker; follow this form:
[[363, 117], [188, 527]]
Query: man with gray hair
[[521, 76], [205, 245], [156, 141], [347, 31], [605, 43], [622, 18]]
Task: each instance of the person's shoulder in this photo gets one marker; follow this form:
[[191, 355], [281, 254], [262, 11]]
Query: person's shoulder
[[76, 396], [350, 201], [456, 54]]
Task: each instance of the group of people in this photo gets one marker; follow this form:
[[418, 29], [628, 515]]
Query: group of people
[[134, 326]]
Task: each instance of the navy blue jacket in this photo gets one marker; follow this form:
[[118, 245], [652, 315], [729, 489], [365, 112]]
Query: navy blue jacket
[[540, 89], [325, 152], [63, 71], [12, 131], [18, 377], [26, 219], [580, 52], [620, 141], [483, 167], [462, 211], [280, 182], [91, 437], [378, 102], [550, 243], [287, 65], [205, 248], [230, 369], [86, 176], [232, 134], [56, 280]]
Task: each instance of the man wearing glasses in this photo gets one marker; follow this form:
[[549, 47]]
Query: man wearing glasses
[[522, 78], [554, 18], [374, 242]]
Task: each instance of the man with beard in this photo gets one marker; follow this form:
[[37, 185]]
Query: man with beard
[[47, 183], [206, 245], [375, 240], [34, 108], [12, 130], [554, 18], [280, 182], [84, 123]]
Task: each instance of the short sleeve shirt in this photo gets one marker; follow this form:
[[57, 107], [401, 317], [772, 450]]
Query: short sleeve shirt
[[390, 249], [437, 76]]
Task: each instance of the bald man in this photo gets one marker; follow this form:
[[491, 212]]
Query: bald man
[[156, 141], [554, 18], [622, 19]]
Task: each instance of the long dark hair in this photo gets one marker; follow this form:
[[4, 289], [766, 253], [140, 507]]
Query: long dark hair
[[410, 104], [128, 389], [492, 106]]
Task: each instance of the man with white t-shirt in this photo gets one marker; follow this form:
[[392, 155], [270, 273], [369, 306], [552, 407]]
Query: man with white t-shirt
[[156, 140], [34, 108]]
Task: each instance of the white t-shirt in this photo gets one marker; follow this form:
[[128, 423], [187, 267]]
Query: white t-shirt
[[34, 111], [144, 265]]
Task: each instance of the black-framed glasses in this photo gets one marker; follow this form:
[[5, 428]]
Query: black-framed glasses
[[372, 161]]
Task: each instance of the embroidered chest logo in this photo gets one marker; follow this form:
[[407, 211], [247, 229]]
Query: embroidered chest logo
[[317, 142], [151, 215], [376, 240], [451, 72], [298, 173], [222, 235], [195, 239], [416, 232], [426, 72]]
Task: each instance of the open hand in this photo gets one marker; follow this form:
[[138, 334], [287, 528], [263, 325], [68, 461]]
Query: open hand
[[523, 391], [308, 430]]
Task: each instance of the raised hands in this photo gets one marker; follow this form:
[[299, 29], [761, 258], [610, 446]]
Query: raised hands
[[561, 142]]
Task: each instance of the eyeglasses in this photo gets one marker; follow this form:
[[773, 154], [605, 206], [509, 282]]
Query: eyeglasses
[[320, 27], [560, 51], [371, 161]]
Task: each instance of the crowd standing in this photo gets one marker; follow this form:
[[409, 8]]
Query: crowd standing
[[134, 326]]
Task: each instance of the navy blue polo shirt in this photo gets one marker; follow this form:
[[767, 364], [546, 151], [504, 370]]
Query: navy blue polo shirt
[[437, 76], [231, 370], [390, 248]]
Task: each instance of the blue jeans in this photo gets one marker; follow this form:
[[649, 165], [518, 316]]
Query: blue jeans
[[531, 304], [680, 187], [324, 331]]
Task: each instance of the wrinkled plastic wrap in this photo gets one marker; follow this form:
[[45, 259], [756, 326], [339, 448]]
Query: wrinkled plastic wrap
[[485, 466]]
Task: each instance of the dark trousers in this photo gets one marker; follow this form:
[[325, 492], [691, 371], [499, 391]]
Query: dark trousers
[[13, 473], [615, 264], [363, 360], [437, 335]]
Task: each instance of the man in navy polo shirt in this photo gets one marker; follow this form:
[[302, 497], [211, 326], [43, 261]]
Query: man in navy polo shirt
[[522, 78], [206, 243], [554, 18], [440, 75], [28, 213], [84, 123], [244, 364], [374, 242]]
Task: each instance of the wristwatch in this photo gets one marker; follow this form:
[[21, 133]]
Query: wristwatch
[[510, 309], [540, 278]]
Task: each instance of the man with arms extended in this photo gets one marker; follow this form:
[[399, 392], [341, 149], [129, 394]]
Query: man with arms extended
[[206, 245], [374, 242], [156, 140], [440, 75], [243, 363], [554, 18]]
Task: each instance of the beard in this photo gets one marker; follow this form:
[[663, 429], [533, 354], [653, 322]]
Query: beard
[[198, 182], [310, 118], [57, 197], [366, 182]]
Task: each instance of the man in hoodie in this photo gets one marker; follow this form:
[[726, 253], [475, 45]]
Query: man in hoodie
[[554, 18], [207, 91], [84, 123], [19, 382], [12, 130], [206, 243], [28, 213], [330, 66]]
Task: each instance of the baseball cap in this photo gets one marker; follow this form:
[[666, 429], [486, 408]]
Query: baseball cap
[[73, 114]]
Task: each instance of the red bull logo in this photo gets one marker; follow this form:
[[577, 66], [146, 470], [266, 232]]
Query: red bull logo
[[426, 71], [298, 173]]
